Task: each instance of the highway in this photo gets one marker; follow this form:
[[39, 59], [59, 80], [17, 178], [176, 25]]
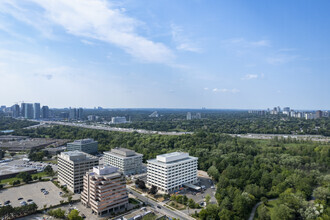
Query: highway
[[105, 128], [166, 211]]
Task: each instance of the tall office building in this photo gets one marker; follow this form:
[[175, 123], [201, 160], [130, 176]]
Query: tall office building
[[85, 145], [73, 114], [72, 166], [104, 190], [286, 109], [128, 161], [171, 171], [318, 114], [23, 106], [80, 113], [36, 110], [15, 110], [45, 112], [28, 111]]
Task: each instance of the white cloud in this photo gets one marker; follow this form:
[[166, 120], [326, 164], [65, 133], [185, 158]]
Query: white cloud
[[233, 91], [250, 76], [241, 42], [182, 42], [281, 59], [87, 42], [93, 19], [206, 88]]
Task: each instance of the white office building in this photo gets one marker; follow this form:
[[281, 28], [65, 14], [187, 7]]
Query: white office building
[[128, 161], [72, 166], [171, 171], [118, 120]]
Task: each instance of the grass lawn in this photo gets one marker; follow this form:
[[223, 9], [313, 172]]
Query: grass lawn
[[41, 174], [50, 161], [150, 216], [133, 201], [10, 180], [176, 205]]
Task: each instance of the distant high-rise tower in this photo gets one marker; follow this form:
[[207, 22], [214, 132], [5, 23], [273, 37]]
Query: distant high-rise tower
[[23, 105], [318, 114], [73, 114], [15, 109], [36, 110], [188, 115], [79, 113], [45, 111], [28, 111]]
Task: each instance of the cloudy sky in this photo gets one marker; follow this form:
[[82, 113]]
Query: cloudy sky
[[165, 53]]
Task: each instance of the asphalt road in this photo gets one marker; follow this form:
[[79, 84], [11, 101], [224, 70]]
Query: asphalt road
[[108, 128], [164, 210]]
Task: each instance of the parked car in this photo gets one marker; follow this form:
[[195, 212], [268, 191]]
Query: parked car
[[20, 198], [159, 207], [30, 200]]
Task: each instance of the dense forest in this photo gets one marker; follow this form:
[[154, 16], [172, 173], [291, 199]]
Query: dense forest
[[246, 171], [8, 123]]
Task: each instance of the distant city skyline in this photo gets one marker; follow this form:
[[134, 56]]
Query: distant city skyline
[[165, 54]]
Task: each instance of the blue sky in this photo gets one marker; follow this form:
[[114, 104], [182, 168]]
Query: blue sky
[[173, 54]]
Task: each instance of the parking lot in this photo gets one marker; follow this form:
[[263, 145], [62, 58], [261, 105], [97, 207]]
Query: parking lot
[[199, 196], [32, 191]]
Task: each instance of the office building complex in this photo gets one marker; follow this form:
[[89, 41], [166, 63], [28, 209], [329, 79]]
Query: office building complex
[[36, 110], [104, 190], [72, 166], [128, 161], [171, 171], [85, 145]]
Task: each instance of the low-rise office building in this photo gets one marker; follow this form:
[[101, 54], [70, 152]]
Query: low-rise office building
[[85, 145], [104, 190], [128, 161], [171, 171], [72, 166]]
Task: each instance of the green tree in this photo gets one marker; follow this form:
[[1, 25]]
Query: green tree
[[26, 177], [213, 172], [49, 170], [225, 214], [282, 212], [57, 213], [207, 199], [74, 215], [263, 212]]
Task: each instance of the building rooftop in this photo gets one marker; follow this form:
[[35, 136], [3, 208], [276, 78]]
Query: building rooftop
[[104, 170], [171, 158], [9, 169], [83, 141], [123, 152], [76, 156]]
